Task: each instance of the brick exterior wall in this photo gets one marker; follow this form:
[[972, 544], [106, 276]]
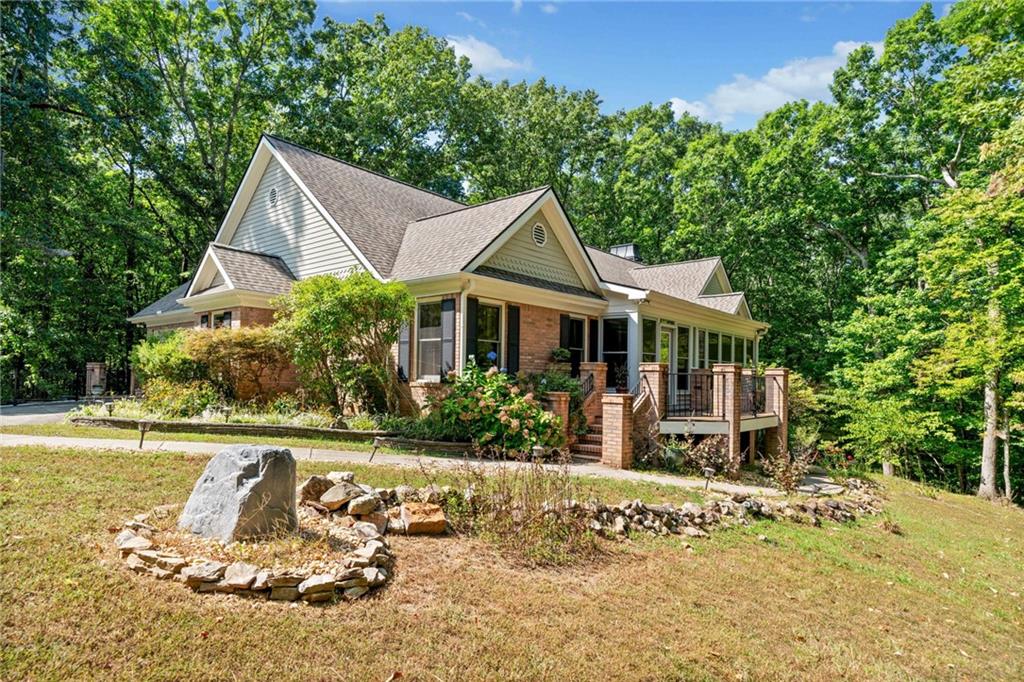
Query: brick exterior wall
[[539, 334], [592, 406], [558, 403], [617, 438], [776, 389], [729, 377]]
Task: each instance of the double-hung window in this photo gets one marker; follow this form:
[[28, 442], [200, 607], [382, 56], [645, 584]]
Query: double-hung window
[[428, 341], [488, 335]]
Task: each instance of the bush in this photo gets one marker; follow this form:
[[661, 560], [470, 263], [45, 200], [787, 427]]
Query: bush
[[361, 422], [164, 356], [429, 427], [787, 470], [687, 456], [244, 362], [499, 417], [172, 400]]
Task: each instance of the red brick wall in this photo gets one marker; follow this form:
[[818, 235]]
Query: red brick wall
[[538, 335]]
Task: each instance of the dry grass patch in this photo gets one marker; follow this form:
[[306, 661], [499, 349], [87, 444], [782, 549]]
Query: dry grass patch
[[941, 601]]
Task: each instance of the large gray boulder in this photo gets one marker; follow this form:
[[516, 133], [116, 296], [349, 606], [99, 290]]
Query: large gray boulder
[[246, 491]]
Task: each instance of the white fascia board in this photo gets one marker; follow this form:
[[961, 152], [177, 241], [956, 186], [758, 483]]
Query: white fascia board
[[227, 299], [327, 216], [678, 310], [629, 292], [246, 189], [209, 260], [162, 318]]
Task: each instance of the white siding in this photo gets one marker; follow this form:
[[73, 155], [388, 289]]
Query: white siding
[[292, 229], [521, 255]]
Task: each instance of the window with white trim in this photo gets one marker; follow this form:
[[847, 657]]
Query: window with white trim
[[428, 340]]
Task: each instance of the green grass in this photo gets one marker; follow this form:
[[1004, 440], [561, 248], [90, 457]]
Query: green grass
[[942, 601]]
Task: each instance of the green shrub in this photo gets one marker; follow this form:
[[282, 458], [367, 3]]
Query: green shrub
[[428, 427], [172, 400], [361, 422], [164, 356], [499, 417], [542, 383], [245, 362]]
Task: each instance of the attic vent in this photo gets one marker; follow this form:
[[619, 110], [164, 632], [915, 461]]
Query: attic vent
[[272, 196], [540, 235]]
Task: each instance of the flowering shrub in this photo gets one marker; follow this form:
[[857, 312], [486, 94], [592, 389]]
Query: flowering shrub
[[172, 400], [498, 415]]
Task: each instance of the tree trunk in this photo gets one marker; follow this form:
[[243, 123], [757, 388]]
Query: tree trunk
[[1007, 486], [888, 469], [987, 487]]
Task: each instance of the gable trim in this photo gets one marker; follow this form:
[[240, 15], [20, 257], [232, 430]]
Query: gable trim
[[591, 279], [209, 256], [718, 271]]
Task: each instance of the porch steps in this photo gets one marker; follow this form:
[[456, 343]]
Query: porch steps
[[587, 447]]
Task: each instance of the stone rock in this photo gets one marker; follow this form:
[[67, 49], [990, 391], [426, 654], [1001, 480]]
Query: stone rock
[[694, 532], [405, 493], [282, 593], [313, 487], [245, 491], [150, 556], [288, 579], [203, 572], [374, 576], [339, 494], [136, 564], [127, 541], [396, 525], [240, 575], [160, 574], [423, 518], [619, 525], [358, 581], [364, 504], [171, 563], [343, 520], [322, 582], [378, 518], [318, 597], [341, 476], [355, 592], [261, 582], [366, 530]]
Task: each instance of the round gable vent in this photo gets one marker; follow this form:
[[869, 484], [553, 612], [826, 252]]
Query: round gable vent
[[272, 196], [540, 235]]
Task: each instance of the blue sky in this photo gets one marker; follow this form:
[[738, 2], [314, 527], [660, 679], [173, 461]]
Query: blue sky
[[725, 61]]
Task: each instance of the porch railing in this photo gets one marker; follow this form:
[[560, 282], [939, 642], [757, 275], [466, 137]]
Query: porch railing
[[587, 385], [693, 394], [752, 391]]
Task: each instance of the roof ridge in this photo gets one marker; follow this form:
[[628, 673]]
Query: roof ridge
[[361, 168], [678, 262], [482, 203]]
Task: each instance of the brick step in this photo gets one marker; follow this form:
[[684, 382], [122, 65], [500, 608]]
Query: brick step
[[585, 449], [585, 458], [590, 439]]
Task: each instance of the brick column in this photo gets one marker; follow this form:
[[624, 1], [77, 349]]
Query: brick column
[[559, 402], [657, 377], [95, 375], [727, 403], [617, 438], [592, 403], [776, 400]]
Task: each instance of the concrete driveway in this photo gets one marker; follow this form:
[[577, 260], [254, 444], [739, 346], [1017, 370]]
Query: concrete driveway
[[36, 413]]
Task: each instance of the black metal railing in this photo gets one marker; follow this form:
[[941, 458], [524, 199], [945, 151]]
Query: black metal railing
[[694, 394], [752, 394], [587, 385]]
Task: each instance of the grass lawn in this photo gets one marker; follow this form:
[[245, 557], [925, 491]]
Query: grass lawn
[[943, 600]]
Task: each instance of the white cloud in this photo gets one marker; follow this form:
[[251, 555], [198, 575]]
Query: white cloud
[[804, 78], [548, 8], [486, 58], [466, 16], [517, 5]]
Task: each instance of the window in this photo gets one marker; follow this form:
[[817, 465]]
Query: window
[[540, 235], [222, 320], [665, 350], [575, 345], [750, 352], [737, 350], [649, 352], [428, 341], [702, 349], [713, 349], [488, 335], [683, 357], [616, 345], [726, 348]]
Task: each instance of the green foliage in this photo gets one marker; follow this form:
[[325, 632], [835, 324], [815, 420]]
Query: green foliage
[[243, 362], [561, 354], [341, 331], [499, 416], [686, 455], [431, 426], [165, 356], [541, 383], [361, 422], [172, 400]]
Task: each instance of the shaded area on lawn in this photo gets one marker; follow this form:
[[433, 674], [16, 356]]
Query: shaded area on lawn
[[809, 603]]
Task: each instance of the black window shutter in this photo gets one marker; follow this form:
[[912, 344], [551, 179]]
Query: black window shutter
[[592, 342], [512, 347], [403, 353], [447, 335], [471, 321], [563, 335]]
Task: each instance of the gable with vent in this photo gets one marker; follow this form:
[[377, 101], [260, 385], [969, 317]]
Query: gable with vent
[[536, 251]]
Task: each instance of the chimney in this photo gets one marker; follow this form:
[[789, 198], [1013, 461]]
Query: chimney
[[628, 251]]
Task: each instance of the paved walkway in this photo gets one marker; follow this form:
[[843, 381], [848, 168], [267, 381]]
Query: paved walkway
[[36, 413], [411, 460]]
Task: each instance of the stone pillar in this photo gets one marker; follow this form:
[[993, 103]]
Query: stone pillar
[[559, 404], [657, 376], [727, 389], [776, 401], [95, 375], [617, 437]]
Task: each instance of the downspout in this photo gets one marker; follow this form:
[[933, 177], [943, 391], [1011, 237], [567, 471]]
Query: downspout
[[460, 356]]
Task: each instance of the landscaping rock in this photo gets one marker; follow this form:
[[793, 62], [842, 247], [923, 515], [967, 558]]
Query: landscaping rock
[[379, 520], [323, 582], [240, 575], [262, 581], [355, 592], [404, 493], [287, 579], [203, 572], [245, 491], [337, 496], [284, 593], [128, 542], [341, 476], [364, 504], [313, 487], [423, 518]]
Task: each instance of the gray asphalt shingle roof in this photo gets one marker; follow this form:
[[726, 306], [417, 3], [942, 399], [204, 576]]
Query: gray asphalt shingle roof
[[727, 303], [372, 209], [446, 243], [167, 303], [254, 271], [683, 280]]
